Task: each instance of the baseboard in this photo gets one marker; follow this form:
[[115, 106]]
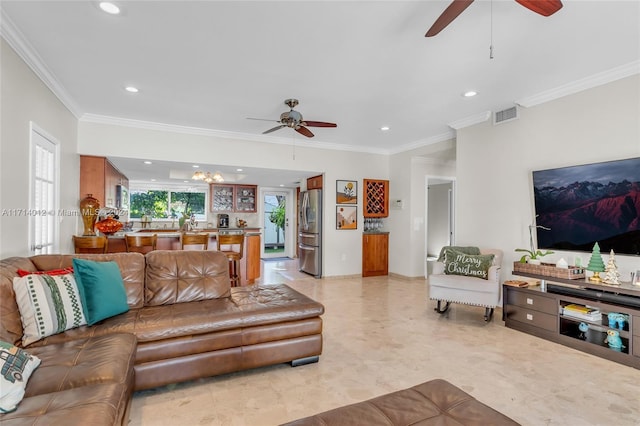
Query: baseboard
[[407, 278]]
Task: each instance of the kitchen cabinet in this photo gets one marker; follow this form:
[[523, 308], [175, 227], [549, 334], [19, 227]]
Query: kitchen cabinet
[[246, 196], [314, 182], [222, 198], [100, 178], [376, 198], [234, 198], [375, 254], [251, 259]]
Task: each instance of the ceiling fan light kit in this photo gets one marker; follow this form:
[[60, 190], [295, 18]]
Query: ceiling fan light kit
[[294, 120]]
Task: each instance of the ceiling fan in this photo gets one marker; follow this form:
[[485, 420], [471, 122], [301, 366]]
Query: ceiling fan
[[293, 119], [543, 7]]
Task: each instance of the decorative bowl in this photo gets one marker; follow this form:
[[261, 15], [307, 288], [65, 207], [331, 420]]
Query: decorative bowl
[[109, 226]]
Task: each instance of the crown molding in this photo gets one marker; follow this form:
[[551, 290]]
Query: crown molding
[[25, 50], [222, 134], [582, 84], [470, 121], [422, 142]]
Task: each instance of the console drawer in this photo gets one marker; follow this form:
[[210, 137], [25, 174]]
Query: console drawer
[[532, 301], [534, 318]]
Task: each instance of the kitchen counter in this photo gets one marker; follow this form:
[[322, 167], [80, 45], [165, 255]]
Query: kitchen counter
[[169, 239]]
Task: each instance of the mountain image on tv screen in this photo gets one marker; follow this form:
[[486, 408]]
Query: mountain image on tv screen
[[585, 204]]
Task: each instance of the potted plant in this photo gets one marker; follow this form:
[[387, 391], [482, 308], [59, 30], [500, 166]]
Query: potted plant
[[533, 256]]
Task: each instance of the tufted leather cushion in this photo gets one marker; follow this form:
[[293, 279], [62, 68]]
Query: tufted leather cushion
[[436, 402], [131, 268], [81, 382], [175, 276]]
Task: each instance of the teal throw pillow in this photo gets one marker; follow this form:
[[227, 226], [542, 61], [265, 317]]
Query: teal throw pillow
[[101, 289], [17, 366], [458, 263], [465, 250]]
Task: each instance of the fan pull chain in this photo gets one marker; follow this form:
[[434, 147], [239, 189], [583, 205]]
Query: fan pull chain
[[491, 45], [294, 147]]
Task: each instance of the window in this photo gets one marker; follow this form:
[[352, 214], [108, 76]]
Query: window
[[167, 204], [43, 228]]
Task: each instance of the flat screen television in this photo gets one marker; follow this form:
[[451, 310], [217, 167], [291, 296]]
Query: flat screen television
[[578, 206]]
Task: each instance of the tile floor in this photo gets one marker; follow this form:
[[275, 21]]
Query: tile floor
[[381, 335]]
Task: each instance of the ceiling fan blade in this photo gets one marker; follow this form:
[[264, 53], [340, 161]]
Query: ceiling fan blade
[[304, 131], [449, 14], [274, 129], [543, 7], [318, 124]]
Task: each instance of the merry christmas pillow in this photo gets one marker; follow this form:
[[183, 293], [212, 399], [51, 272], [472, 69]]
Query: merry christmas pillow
[[468, 265]]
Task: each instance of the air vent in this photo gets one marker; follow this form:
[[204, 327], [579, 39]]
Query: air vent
[[505, 115]]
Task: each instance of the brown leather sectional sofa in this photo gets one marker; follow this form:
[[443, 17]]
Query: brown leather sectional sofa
[[185, 321]]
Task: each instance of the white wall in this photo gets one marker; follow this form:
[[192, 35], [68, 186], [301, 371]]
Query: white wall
[[493, 200], [24, 99], [494, 163], [438, 217], [408, 169], [342, 253]]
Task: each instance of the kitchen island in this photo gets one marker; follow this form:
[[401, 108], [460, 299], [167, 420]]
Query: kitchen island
[[169, 239]]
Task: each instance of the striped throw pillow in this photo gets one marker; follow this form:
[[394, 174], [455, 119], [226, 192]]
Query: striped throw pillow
[[48, 305]]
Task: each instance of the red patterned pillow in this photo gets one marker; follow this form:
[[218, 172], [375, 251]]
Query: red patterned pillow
[[62, 271]]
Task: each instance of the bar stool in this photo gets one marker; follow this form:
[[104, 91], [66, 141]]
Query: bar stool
[[90, 244], [140, 243], [193, 239], [229, 241]]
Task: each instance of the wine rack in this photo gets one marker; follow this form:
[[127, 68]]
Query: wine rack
[[376, 198]]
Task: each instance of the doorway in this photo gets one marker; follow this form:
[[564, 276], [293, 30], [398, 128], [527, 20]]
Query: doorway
[[440, 217], [277, 223]]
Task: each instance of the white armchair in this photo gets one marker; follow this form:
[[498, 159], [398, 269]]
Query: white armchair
[[467, 290]]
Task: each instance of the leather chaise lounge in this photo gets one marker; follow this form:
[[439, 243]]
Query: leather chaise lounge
[[185, 321]]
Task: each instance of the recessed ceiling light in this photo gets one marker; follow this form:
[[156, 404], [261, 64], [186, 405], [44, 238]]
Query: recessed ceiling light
[[384, 128], [282, 184], [470, 94], [195, 166], [185, 181], [238, 170], [153, 180], [147, 162], [109, 7], [131, 89]]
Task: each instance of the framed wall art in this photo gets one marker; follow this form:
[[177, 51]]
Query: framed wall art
[[346, 217], [346, 192]]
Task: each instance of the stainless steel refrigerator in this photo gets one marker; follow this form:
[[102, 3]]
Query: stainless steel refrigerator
[[310, 232]]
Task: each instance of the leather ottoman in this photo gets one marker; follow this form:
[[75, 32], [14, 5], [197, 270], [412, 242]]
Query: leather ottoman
[[436, 402]]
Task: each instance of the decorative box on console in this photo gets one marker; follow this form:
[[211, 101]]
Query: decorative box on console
[[550, 270]]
